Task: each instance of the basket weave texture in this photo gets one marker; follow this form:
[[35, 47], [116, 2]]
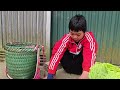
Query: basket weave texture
[[21, 60]]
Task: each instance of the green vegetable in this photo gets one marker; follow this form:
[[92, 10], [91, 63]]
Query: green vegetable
[[104, 71]]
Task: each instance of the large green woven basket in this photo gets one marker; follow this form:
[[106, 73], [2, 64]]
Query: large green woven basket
[[21, 60]]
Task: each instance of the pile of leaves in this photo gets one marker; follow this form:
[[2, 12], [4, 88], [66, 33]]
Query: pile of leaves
[[104, 71]]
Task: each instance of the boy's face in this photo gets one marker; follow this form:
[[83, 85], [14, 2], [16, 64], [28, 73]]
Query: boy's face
[[76, 36]]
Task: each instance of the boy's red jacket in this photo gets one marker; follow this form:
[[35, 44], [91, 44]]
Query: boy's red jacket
[[88, 44]]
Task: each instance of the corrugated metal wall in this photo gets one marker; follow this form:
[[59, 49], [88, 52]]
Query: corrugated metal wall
[[22, 26], [25, 26], [105, 26]]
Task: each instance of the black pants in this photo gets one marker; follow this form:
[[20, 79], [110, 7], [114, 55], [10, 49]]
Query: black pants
[[72, 63]]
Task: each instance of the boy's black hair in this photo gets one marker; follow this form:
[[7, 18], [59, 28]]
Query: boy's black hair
[[78, 23]]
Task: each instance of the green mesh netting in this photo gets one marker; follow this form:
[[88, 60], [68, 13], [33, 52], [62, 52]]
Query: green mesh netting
[[21, 60], [104, 71]]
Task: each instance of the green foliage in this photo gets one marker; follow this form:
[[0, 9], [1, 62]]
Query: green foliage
[[104, 71]]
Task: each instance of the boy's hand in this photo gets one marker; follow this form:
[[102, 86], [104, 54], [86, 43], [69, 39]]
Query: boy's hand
[[84, 75], [50, 76]]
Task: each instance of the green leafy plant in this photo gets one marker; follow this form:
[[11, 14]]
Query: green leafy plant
[[104, 71]]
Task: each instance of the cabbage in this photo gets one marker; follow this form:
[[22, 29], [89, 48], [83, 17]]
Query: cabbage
[[104, 71]]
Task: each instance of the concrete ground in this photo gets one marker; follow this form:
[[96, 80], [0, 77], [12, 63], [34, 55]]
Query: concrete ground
[[61, 74], [2, 70]]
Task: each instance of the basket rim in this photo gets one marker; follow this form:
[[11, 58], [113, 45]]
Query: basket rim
[[20, 46]]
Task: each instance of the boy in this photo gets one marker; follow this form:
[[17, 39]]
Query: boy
[[76, 51]]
